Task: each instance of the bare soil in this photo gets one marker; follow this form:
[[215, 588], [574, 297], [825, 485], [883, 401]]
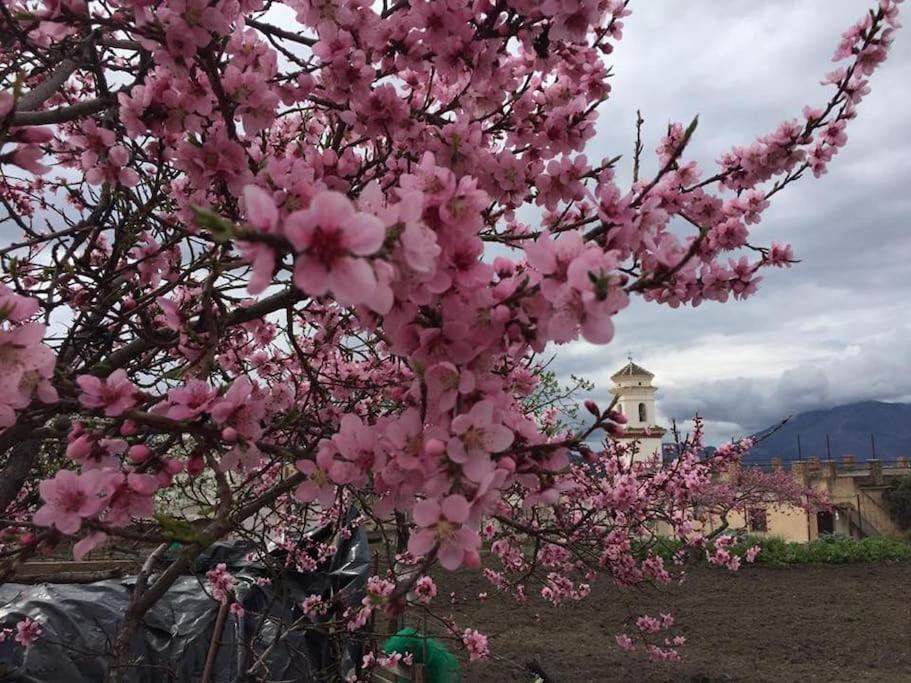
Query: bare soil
[[808, 623]]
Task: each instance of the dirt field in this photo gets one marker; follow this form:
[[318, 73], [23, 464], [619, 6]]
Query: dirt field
[[825, 623]]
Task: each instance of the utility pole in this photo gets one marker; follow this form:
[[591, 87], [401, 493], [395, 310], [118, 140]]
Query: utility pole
[[799, 451]]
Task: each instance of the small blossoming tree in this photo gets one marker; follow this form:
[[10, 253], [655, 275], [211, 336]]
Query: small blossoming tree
[[261, 262]]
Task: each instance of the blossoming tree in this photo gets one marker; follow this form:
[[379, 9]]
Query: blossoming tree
[[261, 261]]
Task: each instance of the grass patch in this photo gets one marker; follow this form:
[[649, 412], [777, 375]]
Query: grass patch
[[829, 550], [824, 550]]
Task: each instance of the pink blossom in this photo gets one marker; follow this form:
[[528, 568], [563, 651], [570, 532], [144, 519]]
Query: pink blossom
[[442, 524], [115, 393], [26, 367], [221, 582], [317, 486], [16, 308], [476, 644], [70, 498], [625, 642], [261, 210], [313, 605], [190, 400], [425, 589], [239, 409], [130, 496], [28, 631], [331, 239], [476, 435], [91, 541], [445, 382]]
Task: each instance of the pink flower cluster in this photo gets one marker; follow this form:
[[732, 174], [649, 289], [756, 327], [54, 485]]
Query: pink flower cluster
[[26, 364], [108, 495], [300, 248], [221, 582], [26, 152], [476, 644], [425, 589]]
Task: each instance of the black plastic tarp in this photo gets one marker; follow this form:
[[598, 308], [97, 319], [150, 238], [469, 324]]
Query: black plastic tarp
[[80, 621]]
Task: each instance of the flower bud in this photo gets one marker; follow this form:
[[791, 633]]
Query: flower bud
[[618, 417], [139, 453], [588, 454], [434, 448], [615, 429], [195, 465], [172, 466]]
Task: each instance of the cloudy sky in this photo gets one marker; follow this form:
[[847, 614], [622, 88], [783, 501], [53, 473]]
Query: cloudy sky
[[837, 327]]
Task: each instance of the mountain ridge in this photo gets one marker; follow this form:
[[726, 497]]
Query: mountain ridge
[[848, 427]]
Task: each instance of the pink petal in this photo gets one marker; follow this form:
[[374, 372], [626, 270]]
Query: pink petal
[[481, 413], [455, 449], [331, 208], [89, 543], [311, 276], [421, 542], [67, 523], [451, 556], [89, 383], [45, 515], [460, 424], [539, 257], [326, 496], [598, 329], [306, 492], [261, 209], [298, 229], [306, 466], [365, 234], [46, 393], [426, 512], [352, 281], [382, 299], [497, 438], [144, 484], [128, 177], [456, 508], [478, 467]]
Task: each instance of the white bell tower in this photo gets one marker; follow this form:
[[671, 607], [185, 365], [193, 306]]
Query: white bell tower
[[636, 400]]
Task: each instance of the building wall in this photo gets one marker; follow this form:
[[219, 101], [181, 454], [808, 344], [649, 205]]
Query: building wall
[[648, 446], [848, 491], [630, 398]]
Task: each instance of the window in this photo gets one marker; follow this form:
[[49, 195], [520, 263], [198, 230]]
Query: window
[[758, 519], [642, 415]]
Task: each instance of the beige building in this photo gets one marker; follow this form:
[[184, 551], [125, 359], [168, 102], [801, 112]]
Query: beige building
[[636, 400], [855, 489]]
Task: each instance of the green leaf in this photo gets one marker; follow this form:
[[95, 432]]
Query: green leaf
[[181, 530], [221, 229]]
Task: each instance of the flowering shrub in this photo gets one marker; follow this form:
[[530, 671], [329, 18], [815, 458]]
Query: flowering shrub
[[250, 278]]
